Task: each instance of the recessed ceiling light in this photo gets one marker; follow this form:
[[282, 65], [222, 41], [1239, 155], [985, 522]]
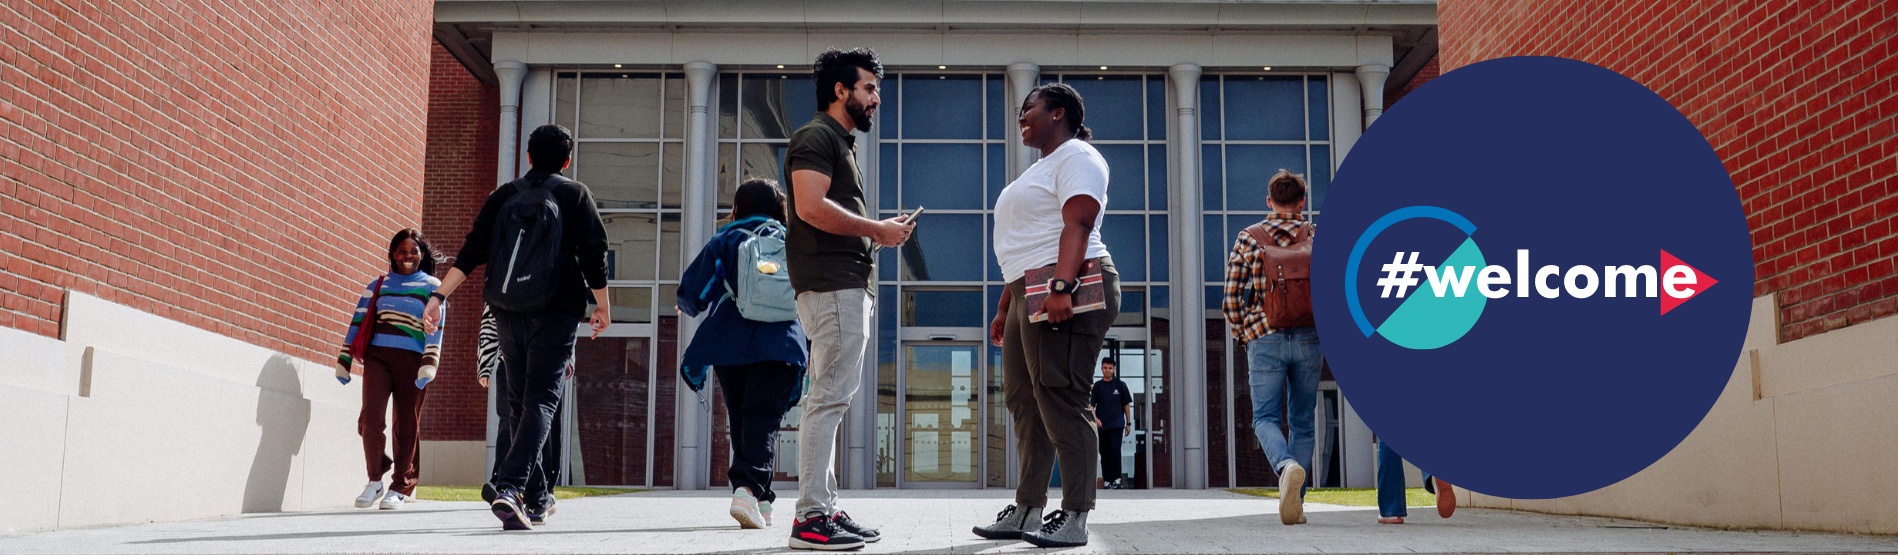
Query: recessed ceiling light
[[1268, 68], [942, 67], [780, 66], [618, 65], [1103, 68]]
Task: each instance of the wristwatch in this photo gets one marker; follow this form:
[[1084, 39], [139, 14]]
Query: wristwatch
[[1058, 285]]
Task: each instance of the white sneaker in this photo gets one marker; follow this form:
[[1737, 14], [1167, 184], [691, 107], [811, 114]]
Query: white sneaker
[[1291, 494], [745, 510], [370, 495], [764, 508], [393, 501]]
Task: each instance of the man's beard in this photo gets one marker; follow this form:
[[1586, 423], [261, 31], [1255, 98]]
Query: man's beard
[[857, 112]]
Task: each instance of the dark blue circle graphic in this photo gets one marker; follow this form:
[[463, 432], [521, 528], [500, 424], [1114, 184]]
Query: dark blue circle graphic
[[1585, 179]]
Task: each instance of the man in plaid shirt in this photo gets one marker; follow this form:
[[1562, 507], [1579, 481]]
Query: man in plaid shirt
[[1284, 362]]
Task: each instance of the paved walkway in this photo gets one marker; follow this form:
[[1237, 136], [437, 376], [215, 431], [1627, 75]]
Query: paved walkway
[[918, 521]]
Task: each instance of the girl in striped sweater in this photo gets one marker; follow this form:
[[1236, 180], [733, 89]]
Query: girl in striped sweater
[[399, 362]]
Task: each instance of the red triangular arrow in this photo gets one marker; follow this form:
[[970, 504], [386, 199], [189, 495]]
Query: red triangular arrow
[[1700, 284]]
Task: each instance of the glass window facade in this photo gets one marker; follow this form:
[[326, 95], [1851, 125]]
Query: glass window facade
[[1251, 126], [941, 141]]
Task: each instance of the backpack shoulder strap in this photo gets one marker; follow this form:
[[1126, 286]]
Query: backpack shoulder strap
[[1260, 234]]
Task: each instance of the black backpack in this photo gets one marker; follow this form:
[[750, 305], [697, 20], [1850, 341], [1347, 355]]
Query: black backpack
[[524, 255]]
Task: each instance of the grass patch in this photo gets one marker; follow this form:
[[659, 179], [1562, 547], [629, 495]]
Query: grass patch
[[473, 493], [1350, 497]]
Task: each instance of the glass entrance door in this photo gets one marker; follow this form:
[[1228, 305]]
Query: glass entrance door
[[941, 415]]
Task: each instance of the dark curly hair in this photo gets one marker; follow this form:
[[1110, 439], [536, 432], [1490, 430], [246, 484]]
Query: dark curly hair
[[840, 66]]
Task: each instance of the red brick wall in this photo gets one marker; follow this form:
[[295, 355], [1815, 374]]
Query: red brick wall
[[463, 142], [1797, 98], [152, 149]]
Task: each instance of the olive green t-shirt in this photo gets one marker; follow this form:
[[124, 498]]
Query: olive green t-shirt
[[820, 261]]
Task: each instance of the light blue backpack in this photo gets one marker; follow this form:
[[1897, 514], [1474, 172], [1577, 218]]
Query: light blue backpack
[[762, 296]]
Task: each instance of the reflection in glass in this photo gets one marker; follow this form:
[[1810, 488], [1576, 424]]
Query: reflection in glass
[[886, 392], [1212, 177], [942, 106], [612, 390], [943, 309], [1126, 175], [945, 247], [1156, 177], [1318, 94], [727, 182], [669, 248], [1209, 128], [675, 108], [1265, 108], [764, 160], [1133, 309], [887, 163], [565, 89], [632, 242], [1216, 245], [942, 176], [672, 176], [1125, 236], [941, 413], [771, 107], [1114, 105], [1157, 249], [615, 106], [631, 305], [620, 175], [728, 106], [1248, 167], [1320, 176]]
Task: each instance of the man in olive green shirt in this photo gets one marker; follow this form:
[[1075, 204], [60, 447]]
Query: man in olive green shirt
[[828, 256]]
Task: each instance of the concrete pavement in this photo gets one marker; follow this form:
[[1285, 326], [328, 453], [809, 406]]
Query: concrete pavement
[[1126, 521]]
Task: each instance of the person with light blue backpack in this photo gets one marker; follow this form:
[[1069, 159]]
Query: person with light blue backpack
[[749, 336]]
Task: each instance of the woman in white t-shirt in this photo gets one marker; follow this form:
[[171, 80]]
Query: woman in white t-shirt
[[1049, 219]]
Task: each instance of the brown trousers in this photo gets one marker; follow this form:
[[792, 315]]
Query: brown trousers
[[391, 372], [1047, 383]]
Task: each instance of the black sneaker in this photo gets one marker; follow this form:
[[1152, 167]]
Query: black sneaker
[[488, 493], [508, 507], [538, 515], [818, 531], [869, 535]]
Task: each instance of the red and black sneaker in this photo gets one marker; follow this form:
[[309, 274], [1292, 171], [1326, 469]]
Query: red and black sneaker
[[819, 531]]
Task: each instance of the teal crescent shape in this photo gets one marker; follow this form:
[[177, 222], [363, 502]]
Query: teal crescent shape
[[1425, 321]]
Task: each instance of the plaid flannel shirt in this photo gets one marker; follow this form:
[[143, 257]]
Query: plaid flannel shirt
[[1245, 271]]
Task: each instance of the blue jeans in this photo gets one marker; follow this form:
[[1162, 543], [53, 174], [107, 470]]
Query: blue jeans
[[1285, 366], [1390, 482]]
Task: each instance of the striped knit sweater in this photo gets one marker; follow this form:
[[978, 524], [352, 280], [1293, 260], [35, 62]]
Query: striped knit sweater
[[399, 318]]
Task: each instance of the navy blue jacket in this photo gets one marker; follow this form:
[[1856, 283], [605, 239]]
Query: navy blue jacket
[[724, 337]]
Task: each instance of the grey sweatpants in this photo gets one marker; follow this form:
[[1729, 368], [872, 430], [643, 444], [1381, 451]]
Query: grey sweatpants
[[838, 325], [1047, 380]]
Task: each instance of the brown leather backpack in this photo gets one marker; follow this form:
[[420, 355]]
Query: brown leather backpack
[[1286, 298]]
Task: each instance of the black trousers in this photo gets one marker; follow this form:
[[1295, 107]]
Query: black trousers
[[756, 398], [540, 482], [1110, 453], [536, 348]]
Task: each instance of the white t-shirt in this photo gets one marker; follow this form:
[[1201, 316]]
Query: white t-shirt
[[1028, 212]]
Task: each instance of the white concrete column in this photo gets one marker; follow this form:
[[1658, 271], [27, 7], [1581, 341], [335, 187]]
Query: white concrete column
[[1189, 324], [691, 469], [1371, 81], [1022, 77], [511, 74]]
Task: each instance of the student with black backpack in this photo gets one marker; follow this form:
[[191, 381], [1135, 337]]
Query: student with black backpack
[[545, 247], [750, 337]]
